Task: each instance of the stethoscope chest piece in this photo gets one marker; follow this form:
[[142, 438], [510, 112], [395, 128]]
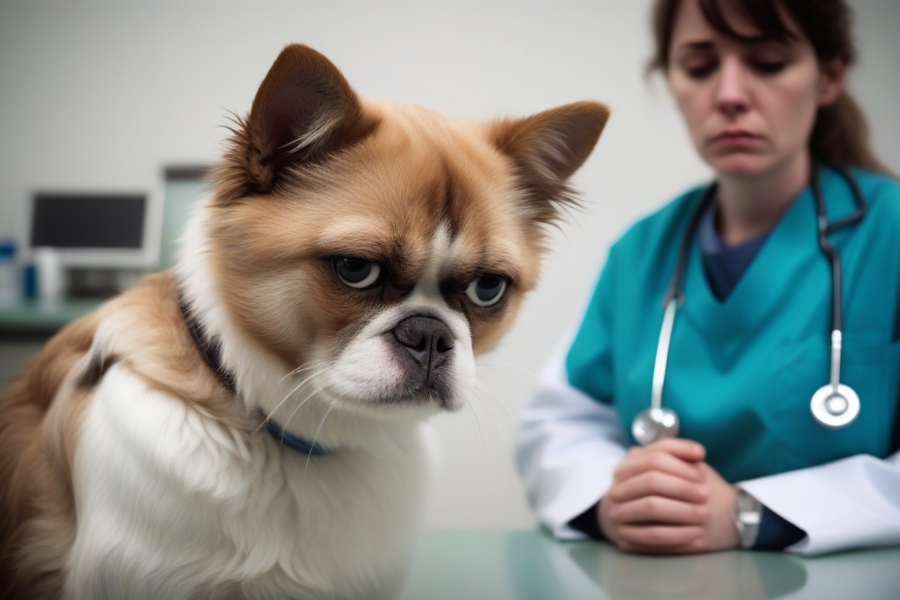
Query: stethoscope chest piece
[[653, 424], [835, 408], [835, 405]]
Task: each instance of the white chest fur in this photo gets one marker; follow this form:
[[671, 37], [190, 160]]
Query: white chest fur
[[172, 505]]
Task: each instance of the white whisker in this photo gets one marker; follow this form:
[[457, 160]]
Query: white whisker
[[507, 418], [308, 456], [471, 414], [497, 364], [304, 401], [305, 367], [498, 398], [292, 391], [511, 420]]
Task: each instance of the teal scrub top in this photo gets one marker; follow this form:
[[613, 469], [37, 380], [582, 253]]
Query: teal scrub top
[[741, 372]]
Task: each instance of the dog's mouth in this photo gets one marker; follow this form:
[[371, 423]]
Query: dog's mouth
[[417, 359], [425, 398]]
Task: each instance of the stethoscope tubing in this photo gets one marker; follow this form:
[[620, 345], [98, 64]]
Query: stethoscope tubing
[[825, 228], [662, 354], [674, 297]]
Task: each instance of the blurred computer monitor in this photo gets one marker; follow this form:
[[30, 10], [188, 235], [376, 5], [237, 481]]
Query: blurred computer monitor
[[183, 187], [94, 230]]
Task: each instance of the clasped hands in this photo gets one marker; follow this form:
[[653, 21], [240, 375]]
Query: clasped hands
[[666, 500]]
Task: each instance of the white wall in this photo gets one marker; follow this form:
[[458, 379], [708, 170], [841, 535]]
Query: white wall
[[100, 95]]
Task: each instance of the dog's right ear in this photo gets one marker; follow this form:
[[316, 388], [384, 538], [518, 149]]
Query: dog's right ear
[[304, 110], [547, 148]]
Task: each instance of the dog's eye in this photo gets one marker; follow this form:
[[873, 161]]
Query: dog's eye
[[486, 290], [358, 273]]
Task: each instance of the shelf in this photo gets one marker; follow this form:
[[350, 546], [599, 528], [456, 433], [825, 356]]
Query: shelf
[[37, 317]]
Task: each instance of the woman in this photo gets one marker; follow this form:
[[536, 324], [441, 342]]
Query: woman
[[761, 88]]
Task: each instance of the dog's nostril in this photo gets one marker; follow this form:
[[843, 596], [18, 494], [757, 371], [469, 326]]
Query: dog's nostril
[[444, 344]]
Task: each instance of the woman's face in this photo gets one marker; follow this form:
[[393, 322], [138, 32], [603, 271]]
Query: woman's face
[[749, 106]]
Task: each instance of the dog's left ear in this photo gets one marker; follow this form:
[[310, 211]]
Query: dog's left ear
[[547, 148], [303, 112]]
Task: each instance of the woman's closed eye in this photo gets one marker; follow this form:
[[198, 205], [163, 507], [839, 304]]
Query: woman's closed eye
[[699, 63], [765, 67], [768, 60], [701, 69]]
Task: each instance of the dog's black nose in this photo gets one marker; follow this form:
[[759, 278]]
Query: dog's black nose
[[427, 339]]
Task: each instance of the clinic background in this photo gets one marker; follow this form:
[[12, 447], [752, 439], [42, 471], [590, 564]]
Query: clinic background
[[103, 95]]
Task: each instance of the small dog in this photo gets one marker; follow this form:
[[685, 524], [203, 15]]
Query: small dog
[[250, 423]]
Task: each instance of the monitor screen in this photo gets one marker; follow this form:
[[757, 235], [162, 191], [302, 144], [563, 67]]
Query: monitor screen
[[113, 221]]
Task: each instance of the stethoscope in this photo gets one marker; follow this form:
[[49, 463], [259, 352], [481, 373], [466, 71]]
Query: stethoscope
[[834, 405]]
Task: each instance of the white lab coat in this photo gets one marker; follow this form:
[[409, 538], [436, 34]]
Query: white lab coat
[[569, 446]]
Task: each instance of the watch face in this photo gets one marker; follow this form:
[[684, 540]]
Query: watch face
[[748, 513]]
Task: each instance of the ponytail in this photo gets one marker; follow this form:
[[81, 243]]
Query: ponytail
[[840, 136]]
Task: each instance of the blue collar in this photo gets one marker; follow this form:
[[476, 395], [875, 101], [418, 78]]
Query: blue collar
[[211, 351], [292, 441]]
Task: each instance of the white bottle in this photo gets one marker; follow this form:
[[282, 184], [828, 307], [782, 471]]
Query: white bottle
[[49, 275]]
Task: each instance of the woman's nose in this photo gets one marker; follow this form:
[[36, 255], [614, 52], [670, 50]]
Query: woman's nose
[[732, 96]]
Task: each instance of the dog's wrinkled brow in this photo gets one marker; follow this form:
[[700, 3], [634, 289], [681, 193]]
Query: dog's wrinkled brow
[[356, 238], [465, 271]]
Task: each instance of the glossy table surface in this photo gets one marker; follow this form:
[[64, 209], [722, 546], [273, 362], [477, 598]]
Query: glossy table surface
[[499, 565]]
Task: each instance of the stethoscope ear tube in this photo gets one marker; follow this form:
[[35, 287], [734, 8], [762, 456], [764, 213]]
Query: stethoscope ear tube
[[674, 289], [830, 253]]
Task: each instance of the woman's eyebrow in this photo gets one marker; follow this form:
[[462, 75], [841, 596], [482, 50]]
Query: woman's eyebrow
[[704, 45], [760, 40], [696, 46]]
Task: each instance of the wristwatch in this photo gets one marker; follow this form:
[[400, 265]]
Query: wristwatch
[[747, 516]]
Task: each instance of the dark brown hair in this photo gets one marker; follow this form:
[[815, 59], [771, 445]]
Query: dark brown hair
[[840, 135]]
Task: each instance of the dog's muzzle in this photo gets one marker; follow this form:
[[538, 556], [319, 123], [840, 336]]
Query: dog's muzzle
[[424, 346]]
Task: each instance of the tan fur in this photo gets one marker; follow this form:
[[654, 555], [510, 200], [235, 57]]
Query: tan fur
[[36, 506], [40, 416]]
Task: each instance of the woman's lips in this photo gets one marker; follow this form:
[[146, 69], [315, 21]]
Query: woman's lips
[[736, 138]]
